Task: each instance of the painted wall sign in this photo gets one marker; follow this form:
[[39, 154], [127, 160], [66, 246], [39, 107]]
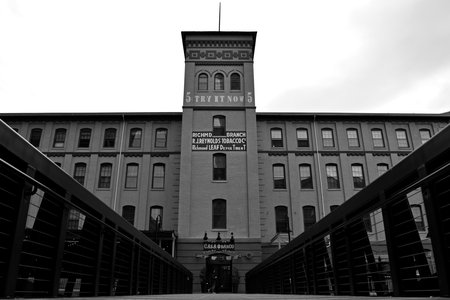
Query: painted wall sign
[[218, 246], [206, 141], [218, 100]]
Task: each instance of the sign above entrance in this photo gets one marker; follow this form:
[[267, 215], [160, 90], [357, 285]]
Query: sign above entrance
[[206, 141], [218, 246]]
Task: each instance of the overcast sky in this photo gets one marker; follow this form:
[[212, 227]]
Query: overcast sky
[[311, 55]]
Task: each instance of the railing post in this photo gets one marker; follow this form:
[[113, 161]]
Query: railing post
[[99, 256], [112, 287], [19, 234]]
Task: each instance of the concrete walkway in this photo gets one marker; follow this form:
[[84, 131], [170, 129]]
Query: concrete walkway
[[245, 297]]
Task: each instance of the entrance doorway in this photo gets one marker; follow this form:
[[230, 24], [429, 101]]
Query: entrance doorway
[[218, 274]]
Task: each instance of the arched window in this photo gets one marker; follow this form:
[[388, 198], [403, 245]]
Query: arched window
[[156, 217], [281, 219], [219, 166], [358, 176], [104, 180], [352, 136], [235, 82], [128, 212], [219, 214], [309, 216], [219, 82], [219, 125], [302, 137], [60, 137], [279, 178], [276, 136], [305, 176], [203, 82], [131, 179], [110, 138], [402, 138], [332, 176], [85, 138], [135, 138], [327, 137], [35, 137], [158, 176], [382, 168], [79, 172], [377, 138], [161, 138], [425, 135]]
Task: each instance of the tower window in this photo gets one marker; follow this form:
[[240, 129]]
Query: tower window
[[203, 82], [85, 138], [161, 138], [219, 82], [219, 125], [219, 214], [279, 179], [276, 136], [60, 137], [35, 137], [302, 137], [110, 138], [219, 166], [235, 82]]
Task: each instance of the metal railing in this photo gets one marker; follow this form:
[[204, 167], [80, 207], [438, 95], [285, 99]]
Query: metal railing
[[58, 239], [392, 238]]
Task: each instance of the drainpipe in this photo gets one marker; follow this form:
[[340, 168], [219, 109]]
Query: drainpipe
[[321, 215], [119, 163]]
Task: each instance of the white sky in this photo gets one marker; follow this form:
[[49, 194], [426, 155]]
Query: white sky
[[311, 55]]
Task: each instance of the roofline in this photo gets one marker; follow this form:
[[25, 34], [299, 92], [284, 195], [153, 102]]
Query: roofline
[[344, 114]]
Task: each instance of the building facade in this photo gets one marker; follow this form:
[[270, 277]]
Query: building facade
[[220, 186]]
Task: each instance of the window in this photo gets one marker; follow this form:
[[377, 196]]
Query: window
[[235, 82], [352, 136], [367, 222], [104, 180], [333, 207], [281, 219], [327, 137], [60, 137], [85, 138], [158, 176], [135, 138], [332, 176], [377, 138], [128, 213], [219, 125], [382, 168], [161, 138], [358, 176], [402, 139], [305, 177], [309, 216], [219, 82], [110, 138], [302, 137], [279, 180], [219, 166], [131, 179], [156, 215], [35, 137], [219, 214], [416, 210], [79, 172], [425, 135], [276, 136], [203, 82]]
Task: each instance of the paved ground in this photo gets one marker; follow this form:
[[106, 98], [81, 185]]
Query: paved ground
[[244, 297]]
